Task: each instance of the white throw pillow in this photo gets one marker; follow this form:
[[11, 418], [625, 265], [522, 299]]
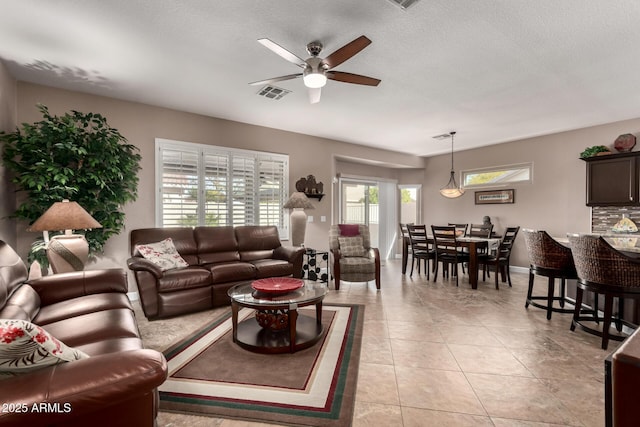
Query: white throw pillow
[[164, 254], [25, 347]]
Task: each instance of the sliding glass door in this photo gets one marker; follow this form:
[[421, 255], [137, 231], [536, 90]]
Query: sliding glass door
[[374, 203], [359, 204]]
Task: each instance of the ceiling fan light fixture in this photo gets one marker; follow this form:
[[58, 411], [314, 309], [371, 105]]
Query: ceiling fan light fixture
[[314, 80], [452, 189]]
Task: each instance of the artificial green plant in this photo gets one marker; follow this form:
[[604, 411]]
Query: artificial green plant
[[76, 156]]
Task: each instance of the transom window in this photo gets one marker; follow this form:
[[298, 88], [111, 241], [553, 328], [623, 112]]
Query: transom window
[[200, 184], [497, 176]]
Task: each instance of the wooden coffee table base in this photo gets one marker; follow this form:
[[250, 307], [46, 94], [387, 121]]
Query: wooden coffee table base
[[302, 332]]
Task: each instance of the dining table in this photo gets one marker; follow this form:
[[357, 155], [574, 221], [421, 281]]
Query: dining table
[[474, 244]]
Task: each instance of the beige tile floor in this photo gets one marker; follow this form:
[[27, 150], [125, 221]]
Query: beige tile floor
[[437, 355]]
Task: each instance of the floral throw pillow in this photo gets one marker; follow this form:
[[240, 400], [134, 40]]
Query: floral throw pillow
[[25, 347], [164, 254], [352, 246]]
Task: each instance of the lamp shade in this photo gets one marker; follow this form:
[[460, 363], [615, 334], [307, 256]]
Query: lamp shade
[[298, 200], [451, 190], [65, 215]]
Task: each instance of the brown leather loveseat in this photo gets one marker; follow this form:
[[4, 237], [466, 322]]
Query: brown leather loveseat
[[218, 258], [88, 311]]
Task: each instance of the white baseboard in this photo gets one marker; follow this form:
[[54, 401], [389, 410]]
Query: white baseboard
[[517, 269]]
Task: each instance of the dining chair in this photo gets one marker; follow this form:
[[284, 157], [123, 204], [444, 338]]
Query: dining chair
[[447, 250], [461, 230], [551, 259], [406, 245], [500, 260], [480, 230], [604, 270], [420, 248]]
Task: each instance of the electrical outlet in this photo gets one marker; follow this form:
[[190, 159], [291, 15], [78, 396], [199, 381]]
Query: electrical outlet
[[310, 218], [323, 218]]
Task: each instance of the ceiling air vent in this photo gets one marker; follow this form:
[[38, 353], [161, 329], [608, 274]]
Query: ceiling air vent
[[273, 92], [403, 4]]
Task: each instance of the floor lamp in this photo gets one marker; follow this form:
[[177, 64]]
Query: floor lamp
[[67, 252], [298, 202]]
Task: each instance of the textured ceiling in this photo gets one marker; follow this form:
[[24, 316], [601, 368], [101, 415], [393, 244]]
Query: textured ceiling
[[493, 70]]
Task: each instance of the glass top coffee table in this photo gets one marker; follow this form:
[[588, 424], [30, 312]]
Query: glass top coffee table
[[277, 327]]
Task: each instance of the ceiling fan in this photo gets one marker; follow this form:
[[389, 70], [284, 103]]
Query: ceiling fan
[[317, 70]]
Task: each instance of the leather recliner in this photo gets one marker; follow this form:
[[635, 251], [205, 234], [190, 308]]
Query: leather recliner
[[89, 311]]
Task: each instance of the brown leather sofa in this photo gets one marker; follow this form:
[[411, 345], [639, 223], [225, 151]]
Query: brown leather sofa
[[218, 258], [89, 311]]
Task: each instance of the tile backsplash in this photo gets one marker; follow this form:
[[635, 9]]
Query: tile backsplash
[[603, 218]]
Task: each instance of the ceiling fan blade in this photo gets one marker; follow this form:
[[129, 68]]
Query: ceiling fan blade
[[282, 52], [346, 52], [352, 78], [314, 95], [276, 79]]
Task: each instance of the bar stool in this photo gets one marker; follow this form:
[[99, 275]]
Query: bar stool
[[550, 259], [603, 270]]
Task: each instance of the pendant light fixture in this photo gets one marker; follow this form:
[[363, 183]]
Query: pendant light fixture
[[452, 190]]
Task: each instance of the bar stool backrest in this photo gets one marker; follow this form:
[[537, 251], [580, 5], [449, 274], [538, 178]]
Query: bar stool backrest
[[598, 262], [545, 252]]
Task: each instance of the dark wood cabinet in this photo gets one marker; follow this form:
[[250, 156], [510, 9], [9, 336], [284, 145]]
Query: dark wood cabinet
[[612, 180]]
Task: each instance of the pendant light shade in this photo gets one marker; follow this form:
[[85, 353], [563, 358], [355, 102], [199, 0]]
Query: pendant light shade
[[452, 190]]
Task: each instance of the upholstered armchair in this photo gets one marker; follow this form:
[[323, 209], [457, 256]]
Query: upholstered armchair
[[353, 260]]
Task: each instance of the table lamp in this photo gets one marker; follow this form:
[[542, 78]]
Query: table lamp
[[67, 252], [298, 202]]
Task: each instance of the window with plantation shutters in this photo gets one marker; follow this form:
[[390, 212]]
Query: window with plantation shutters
[[207, 185]]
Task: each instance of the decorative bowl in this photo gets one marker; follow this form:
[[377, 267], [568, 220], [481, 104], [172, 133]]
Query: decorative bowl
[[277, 285]]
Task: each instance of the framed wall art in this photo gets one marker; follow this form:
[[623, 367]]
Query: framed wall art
[[493, 197]]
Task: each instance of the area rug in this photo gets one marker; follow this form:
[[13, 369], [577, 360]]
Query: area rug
[[210, 375]]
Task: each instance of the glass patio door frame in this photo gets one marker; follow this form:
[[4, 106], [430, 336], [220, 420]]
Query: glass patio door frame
[[342, 203]]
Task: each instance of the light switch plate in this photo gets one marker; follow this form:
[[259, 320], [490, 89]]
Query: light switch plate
[[310, 218]]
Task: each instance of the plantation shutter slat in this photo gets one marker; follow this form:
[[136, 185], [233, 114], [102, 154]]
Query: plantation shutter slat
[[218, 186], [216, 189], [179, 188], [243, 191]]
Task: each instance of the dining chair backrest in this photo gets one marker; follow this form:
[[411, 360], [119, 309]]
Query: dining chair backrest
[[418, 237], [444, 238], [461, 229], [510, 233], [404, 231], [480, 230]]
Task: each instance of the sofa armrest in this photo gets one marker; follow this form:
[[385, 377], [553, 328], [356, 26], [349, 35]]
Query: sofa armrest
[[137, 263], [77, 389], [292, 255], [64, 286], [288, 253]]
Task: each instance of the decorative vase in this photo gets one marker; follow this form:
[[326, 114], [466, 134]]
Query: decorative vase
[[625, 142], [273, 320]]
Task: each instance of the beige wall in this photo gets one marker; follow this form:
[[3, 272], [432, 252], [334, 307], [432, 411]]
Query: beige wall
[[555, 201], [141, 124], [8, 120]]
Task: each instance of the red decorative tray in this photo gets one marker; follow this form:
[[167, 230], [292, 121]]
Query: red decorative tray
[[277, 285]]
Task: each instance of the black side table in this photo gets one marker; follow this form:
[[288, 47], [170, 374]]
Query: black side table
[[312, 263]]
